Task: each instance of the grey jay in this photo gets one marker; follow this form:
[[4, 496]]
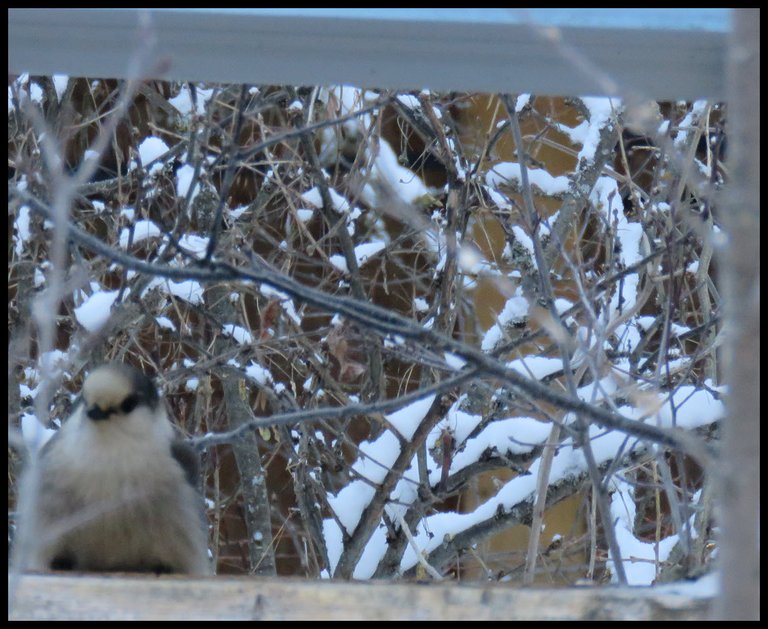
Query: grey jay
[[114, 490]]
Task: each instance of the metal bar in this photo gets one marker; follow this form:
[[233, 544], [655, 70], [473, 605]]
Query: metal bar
[[653, 53]]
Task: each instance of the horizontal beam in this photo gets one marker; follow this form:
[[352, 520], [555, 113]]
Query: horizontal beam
[[651, 53], [115, 597]]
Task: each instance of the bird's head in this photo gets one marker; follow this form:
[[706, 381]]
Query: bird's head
[[121, 396]]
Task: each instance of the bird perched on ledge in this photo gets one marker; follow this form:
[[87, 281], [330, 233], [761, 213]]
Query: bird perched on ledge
[[114, 490]]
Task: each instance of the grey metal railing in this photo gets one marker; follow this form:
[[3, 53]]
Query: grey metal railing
[[653, 53]]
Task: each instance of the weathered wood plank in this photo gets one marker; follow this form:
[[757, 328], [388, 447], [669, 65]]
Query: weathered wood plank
[[89, 597]]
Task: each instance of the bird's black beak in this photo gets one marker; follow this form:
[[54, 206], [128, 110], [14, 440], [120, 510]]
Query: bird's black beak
[[97, 414]]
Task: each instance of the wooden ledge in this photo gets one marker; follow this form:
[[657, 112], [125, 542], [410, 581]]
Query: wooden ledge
[[119, 597]]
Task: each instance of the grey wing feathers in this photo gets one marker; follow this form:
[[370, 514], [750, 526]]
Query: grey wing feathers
[[187, 457]]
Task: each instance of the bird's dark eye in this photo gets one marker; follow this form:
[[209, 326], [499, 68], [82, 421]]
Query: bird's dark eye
[[129, 403]]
